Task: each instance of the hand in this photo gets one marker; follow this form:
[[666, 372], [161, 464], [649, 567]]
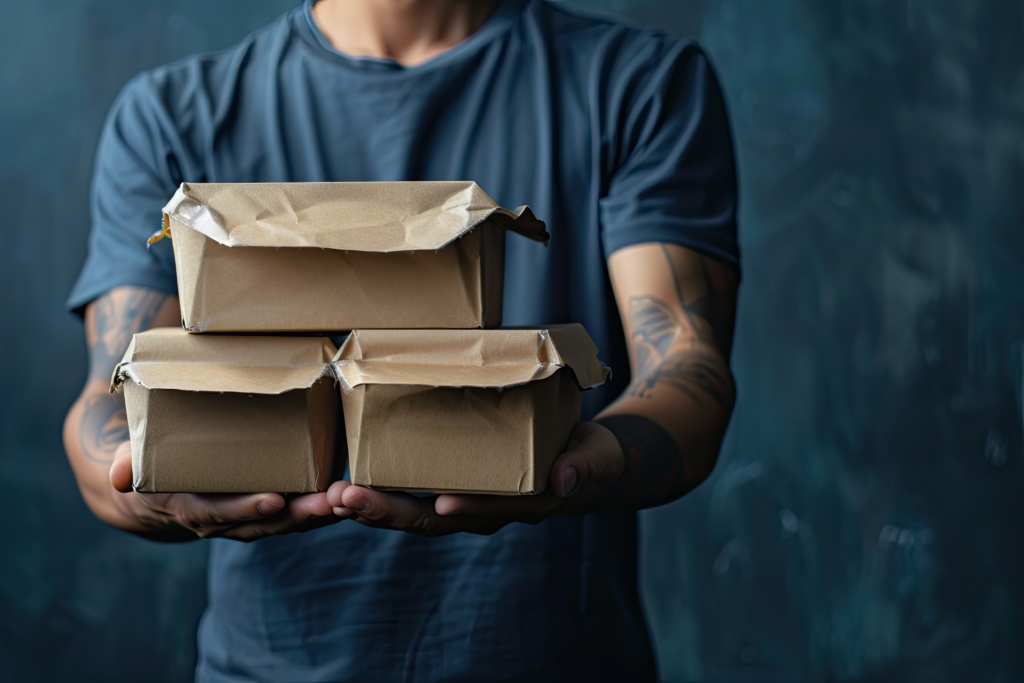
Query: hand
[[185, 516], [580, 481]]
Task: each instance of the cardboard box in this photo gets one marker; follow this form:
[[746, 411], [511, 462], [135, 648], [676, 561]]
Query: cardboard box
[[219, 414], [472, 411], [309, 257]]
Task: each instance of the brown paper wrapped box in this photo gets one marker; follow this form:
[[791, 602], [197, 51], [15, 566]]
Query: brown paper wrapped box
[[221, 414], [316, 257], [480, 411]]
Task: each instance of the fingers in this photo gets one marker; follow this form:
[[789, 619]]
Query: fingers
[[303, 513], [195, 511], [121, 469], [210, 515], [392, 510], [405, 512], [334, 497], [528, 509], [593, 459], [310, 505]]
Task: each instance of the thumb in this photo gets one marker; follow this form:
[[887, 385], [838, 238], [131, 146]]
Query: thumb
[[121, 469], [594, 458]]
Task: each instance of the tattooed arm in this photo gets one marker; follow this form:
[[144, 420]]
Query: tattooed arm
[[96, 441], [96, 424], [677, 309]]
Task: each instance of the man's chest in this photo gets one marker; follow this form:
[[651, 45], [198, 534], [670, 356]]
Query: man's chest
[[512, 140]]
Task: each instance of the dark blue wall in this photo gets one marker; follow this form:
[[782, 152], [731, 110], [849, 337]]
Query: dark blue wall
[[865, 520]]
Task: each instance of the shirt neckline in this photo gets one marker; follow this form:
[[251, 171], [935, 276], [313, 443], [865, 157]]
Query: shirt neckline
[[499, 22]]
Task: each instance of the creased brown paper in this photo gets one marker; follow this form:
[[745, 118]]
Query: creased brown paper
[[472, 411], [291, 257], [229, 414]]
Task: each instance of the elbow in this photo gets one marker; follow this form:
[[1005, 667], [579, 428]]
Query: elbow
[[704, 452]]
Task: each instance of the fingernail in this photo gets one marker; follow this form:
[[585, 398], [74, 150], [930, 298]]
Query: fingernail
[[340, 511], [359, 503], [569, 481], [268, 508]]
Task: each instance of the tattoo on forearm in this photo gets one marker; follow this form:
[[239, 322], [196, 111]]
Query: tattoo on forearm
[[104, 426], [118, 316], [114, 318], [686, 371], [674, 343], [654, 326], [651, 454], [710, 315], [697, 306], [668, 352]]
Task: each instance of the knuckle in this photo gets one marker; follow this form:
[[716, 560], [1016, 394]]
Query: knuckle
[[196, 516]]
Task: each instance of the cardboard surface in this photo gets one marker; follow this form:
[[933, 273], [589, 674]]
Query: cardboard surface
[[468, 358], [379, 217], [229, 414], [473, 411], [268, 257]]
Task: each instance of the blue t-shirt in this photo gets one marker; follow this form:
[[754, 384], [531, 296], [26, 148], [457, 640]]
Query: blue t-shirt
[[614, 136]]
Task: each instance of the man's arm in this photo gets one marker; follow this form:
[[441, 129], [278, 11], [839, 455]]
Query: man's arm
[[655, 443], [678, 310], [96, 441], [96, 424]]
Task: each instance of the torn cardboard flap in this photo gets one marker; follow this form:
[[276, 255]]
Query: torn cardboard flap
[[372, 217], [170, 358], [468, 358]]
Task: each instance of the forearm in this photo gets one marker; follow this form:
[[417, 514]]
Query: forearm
[[677, 309], [670, 423]]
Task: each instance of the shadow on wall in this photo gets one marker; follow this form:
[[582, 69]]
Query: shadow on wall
[[863, 522]]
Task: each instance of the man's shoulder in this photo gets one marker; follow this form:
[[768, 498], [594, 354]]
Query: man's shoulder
[[212, 72], [595, 38], [581, 29]]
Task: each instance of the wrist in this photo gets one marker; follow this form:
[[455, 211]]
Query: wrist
[[652, 473]]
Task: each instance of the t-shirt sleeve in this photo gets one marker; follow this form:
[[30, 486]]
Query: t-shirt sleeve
[[669, 162], [135, 173]]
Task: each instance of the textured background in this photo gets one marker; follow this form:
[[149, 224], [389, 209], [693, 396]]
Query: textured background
[[865, 520]]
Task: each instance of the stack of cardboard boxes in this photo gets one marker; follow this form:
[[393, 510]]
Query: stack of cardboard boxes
[[435, 396]]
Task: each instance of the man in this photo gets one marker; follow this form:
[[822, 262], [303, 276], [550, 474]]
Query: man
[[618, 139]]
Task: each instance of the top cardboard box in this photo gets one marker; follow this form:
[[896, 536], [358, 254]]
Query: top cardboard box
[[304, 257]]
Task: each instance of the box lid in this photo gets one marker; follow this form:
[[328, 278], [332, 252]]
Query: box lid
[[468, 358], [171, 358], [380, 217]]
